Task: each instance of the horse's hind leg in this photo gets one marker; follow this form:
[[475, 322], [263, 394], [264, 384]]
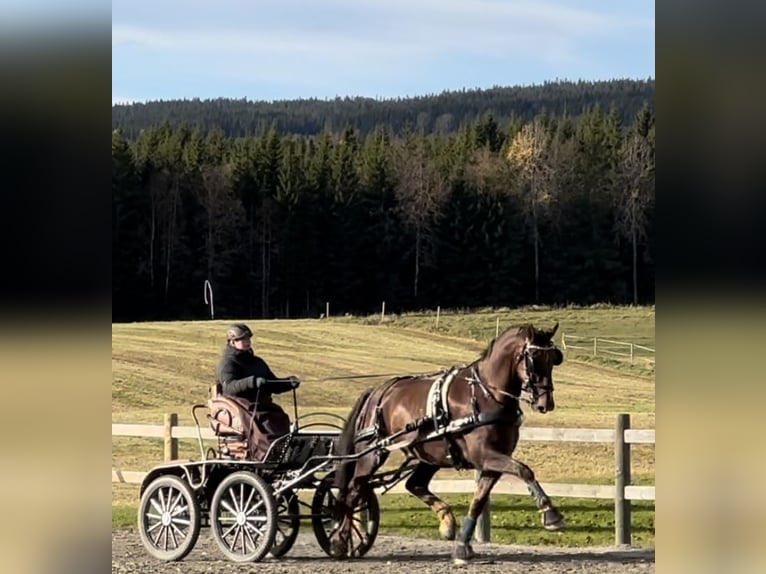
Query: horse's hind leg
[[463, 550], [417, 484], [364, 469], [552, 518]]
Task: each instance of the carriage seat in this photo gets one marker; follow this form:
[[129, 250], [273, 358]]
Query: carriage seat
[[231, 421]]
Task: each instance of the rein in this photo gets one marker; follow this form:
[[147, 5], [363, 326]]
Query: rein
[[475, 379], [351, 377]]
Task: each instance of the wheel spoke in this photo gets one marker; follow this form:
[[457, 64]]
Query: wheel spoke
[[241, 533], [154, 526], [233, 527], [228, 507], [250, 536], [175, 504], [233, 498], [165, 531], [183, 521], [172, 533], [155, 539], [181, 533], [249, 499], [255, 507], [157, 506]]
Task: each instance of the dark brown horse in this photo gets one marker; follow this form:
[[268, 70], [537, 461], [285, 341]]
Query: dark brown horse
[[467, 417]]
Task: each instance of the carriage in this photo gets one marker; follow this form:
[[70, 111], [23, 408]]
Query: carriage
[[252, 507], [464, 417]]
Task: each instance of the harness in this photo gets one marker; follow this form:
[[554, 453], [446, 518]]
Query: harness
[[438, 418]]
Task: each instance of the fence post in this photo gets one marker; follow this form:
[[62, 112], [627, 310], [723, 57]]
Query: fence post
[[622, 519], [631, 353], [595, 347], [383, 312], [481, 534], [171, 444], [438, 309]]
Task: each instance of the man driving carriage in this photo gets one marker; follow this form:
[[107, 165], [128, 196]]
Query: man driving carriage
[[243, 374]]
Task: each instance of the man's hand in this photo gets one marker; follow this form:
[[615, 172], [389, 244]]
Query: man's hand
[[259, 382], [294, 382]]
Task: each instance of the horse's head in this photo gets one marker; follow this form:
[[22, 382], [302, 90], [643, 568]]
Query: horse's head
[[535, 367], [522, 360]]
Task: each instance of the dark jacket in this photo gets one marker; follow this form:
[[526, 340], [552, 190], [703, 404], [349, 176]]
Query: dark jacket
[[237, 372]]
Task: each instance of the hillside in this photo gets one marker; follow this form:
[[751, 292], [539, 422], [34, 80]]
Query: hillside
[[435, 113]]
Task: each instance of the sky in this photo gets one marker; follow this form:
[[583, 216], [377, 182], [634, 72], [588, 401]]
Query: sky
[[267, 50]]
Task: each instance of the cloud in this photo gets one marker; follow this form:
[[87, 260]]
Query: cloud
[[385, 30], [365, 46]]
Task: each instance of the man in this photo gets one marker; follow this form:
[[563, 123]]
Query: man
[[243, 374]]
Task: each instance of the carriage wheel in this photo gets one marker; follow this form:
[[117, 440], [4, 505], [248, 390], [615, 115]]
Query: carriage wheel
[[288, 523], [169, 518], [243, 517], [324, 519]]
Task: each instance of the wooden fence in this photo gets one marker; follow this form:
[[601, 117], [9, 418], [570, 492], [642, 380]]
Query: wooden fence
[[622, 491], [607, 347]]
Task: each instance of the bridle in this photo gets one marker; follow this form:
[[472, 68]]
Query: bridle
[[529, 384]]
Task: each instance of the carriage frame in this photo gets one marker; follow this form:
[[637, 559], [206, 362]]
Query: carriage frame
[[253, 507]]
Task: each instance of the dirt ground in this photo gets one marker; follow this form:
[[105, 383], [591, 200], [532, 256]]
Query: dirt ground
[[389, 554]]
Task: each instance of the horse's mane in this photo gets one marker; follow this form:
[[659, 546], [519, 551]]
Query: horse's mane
[[528, 331]]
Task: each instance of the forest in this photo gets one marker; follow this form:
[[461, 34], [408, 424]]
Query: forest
[[502, 197]]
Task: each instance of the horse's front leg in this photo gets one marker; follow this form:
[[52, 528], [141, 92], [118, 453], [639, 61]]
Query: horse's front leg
[[552, 518], [463, 550]]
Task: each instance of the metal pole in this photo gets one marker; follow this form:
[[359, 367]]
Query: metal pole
[[622, 521], [383, 312], [438, 308], [209, 288]]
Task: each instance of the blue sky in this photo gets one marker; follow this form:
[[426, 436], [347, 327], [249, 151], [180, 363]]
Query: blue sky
[[285, 49]]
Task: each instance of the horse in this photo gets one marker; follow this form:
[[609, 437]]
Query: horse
[[467, 417]]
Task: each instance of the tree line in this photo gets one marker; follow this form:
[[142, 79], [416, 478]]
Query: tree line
[[554, 210], [437, 113]]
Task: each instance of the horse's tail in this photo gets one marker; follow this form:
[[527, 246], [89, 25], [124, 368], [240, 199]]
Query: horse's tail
[[345, 470]]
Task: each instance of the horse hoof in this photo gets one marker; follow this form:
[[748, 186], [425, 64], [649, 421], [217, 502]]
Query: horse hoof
[[553, 520], [447, 532], [338, 550], [462, 554]]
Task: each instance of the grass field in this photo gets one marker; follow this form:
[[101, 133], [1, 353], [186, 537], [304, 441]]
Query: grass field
[[168, 367]]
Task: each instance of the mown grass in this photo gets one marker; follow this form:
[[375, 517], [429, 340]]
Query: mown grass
[[514, 520], [168, 367]]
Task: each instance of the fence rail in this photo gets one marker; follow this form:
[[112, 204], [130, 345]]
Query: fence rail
[[597, 345], [622, 491]]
